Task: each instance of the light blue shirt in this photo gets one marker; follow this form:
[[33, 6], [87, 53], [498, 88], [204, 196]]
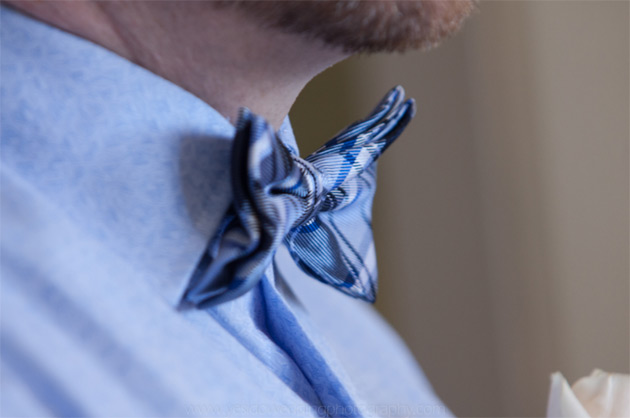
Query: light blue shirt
[[113, 181]]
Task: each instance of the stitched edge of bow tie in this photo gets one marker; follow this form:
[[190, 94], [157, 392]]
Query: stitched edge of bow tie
[[271, 185]]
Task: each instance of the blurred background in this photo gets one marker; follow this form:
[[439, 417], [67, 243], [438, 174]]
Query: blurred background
[[502, 213]]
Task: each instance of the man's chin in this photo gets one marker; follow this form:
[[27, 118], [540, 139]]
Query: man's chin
[[364, 26]]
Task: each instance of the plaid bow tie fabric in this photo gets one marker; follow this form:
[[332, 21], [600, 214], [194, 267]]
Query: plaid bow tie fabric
[[320, 207]]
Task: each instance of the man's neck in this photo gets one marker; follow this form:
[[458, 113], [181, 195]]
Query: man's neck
[[220, 55]]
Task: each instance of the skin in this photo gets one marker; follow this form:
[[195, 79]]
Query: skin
[[221, 56], [254, 54]]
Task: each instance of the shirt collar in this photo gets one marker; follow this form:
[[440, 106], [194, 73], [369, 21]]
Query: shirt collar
[[136, 161]]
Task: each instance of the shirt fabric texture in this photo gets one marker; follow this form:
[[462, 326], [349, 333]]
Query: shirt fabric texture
[[113, 182]]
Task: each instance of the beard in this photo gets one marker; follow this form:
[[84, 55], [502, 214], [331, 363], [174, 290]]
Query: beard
[[363, 25]]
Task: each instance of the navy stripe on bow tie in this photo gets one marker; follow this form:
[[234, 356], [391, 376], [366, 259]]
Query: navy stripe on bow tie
[[320, 207]]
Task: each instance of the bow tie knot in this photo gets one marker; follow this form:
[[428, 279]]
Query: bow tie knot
[[280, 177], [319, 206]]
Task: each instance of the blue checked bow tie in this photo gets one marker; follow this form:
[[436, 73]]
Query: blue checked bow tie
[[319, 206]]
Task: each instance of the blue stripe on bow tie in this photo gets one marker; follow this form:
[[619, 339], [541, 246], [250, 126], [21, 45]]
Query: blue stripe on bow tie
[[320, 207]]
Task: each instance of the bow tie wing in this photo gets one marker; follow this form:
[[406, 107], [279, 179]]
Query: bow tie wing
[[270, 194], [359, 145], [336, 246]]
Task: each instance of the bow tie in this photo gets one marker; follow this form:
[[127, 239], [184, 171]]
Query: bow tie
[[320, 207]]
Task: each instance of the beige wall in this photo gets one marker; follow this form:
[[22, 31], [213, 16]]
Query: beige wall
[[502, 214]]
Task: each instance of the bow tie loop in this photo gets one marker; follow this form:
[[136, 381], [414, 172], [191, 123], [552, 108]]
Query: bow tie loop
[[319, 206]]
